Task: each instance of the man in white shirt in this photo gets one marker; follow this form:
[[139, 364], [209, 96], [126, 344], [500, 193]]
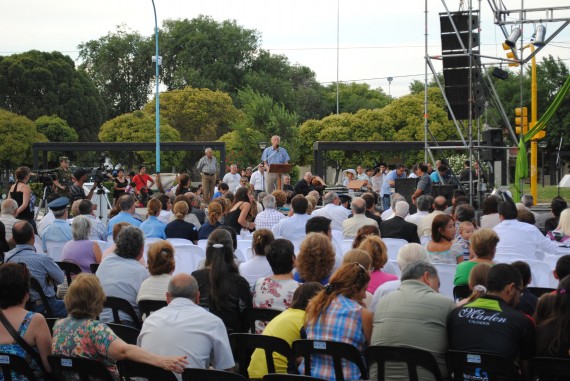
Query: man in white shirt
[[293, 228], [391, 212], [422, 203], [258, 180], [516, 237], [185, 328], [232, 178], [424, 227], [9, 208], [270, 216], [332, 210], [351, 225]]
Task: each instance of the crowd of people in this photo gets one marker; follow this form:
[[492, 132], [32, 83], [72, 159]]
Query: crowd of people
[[299, 264]]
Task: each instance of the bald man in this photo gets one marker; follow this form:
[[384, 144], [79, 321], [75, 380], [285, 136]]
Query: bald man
[[183, 327]]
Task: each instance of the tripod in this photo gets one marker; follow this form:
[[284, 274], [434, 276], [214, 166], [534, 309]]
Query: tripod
[[101, 200], [43, 202]]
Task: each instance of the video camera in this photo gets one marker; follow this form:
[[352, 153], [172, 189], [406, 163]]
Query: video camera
[[45, 177]]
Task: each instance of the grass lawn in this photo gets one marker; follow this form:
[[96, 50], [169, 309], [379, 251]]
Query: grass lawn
[[545, 194]]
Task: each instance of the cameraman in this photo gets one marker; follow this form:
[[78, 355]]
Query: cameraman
[[76, 191], [64, 176]]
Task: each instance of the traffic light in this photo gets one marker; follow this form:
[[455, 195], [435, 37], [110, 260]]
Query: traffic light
[[521, 120], [539, 135], [510, 55]]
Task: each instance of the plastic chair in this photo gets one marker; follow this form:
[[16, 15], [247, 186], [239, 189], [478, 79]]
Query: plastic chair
[[179, 241], [461, 292], [541, 274], [12, 363], [413, 358], [147, 243], [243, 345], [290, 377], [394, 245], [54, 249], [539, 291], [70, 269], [495, 368], [35, 285], [85, 369], [446, 274], [203, 243], [149, 306], [550, 369], [392, 267], [118, 304], [132, 369], [187, 257], [194, 374], [337, 350], [510, 257], [128, 334], [252, 315]]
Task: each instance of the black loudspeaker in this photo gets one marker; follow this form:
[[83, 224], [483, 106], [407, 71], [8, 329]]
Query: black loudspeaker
[[493, 137], [407, 187], [460, 71]]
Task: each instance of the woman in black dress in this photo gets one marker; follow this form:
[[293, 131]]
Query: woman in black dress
[[121, 183], [241, 212], [22, 194], [180, 228]]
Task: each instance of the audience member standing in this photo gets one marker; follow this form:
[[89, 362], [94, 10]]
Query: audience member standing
[[232, 178], [22, 194], [389, 183], [258, 180], [208, 167], [424, 185]]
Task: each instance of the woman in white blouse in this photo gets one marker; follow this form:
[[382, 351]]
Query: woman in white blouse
[[160, 266]]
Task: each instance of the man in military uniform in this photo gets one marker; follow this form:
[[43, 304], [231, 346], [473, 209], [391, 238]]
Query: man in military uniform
[[64, 176]]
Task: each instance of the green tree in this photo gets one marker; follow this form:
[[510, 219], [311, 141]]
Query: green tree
[[120, 66], [18, 134], [417, 86], [140, 127], [38, 83], [205, 53], [197, 114], [355, 96], [55, 129]]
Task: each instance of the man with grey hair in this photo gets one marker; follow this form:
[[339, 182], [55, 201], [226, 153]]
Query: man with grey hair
[[439, 205], [127, 205], [232, 178], [208, 166], [257, 180], [390, 212], [183, 327], [59, 230], [351, 225], [98, 228], [273, 155], [422, 203], [414, 316], [332, 210], [270, 216], [8, 216], [528, 201], [397, 227], [410, 253]]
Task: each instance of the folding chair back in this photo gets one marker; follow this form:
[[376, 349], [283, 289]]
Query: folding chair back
[[461, 292], [128, 334], [550, 369], [132, 369], [64, 368], [194, 374], [149, 306], [253, 315], [413, 358], [35, 285], [118, 304], [290, 377], [12, 363], [243, 344], [70, 269], [471, 364]]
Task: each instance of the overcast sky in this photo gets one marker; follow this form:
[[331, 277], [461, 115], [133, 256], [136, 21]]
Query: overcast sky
[[378, 38]]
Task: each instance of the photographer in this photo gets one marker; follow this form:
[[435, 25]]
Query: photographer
[[64, 176], [76, 190]]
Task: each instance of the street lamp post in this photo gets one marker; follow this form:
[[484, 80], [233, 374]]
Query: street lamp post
[[158, 60]]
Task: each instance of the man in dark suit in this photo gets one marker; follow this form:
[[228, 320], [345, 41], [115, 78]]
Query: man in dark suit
[[397, 227]]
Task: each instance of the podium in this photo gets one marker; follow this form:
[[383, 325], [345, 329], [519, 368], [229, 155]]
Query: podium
[[279, 169]]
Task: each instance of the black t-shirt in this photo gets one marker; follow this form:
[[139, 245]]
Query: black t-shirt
[[490, 325], [181, 229], [303, 188]]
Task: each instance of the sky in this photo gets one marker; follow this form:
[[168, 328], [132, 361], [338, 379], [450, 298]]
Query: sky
[[377, 38]]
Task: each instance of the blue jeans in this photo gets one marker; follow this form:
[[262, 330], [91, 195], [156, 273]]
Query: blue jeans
[[386, 202], [57, 307]]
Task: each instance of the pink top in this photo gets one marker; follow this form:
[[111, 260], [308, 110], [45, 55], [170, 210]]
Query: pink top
[[378, 278]]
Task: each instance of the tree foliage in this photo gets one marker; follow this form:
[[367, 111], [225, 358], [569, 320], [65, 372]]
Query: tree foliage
[[56, 129], [355, 96], [140, 127], [120, 66], [38, 83]]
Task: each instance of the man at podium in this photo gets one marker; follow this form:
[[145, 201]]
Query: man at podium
[[273, 155]]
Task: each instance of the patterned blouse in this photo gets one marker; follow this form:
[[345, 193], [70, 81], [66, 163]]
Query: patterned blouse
[[84, 338], [341, 321], [274, 294], [16, 349]]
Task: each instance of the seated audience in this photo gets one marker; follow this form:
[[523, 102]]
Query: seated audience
[[8, 216], [59, 230], [562, 268], [483, 245], [276, 291], [222, 290], [286, 326], [83, 335], [215, 215], [126, 205], [121, 273], [526, 216], [165, 208], [270, 216], [323, 225], [379, 254], [293, 228], [32, 327], [397, 227], [528, 301], [257, 266], [371, 212], [242, 212], [161, 265], [557, 205], [545, 308], [81, 251], [424, 227], [423, 203], [183, 327], [179, 228], [98, 227], [562, 232], [358, 256], [490, 217], [338, 314], [477, 282], [351, 225], [363, 233], [332, 210], [442, 236], [462, 244], [190, 217], [152, 227], [414, 316], [316, 259]]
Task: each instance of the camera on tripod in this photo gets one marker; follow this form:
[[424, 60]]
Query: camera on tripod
[[45, 177]]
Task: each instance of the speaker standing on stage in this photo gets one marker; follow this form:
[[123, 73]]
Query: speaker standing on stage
[[208, 168], [273, 155]]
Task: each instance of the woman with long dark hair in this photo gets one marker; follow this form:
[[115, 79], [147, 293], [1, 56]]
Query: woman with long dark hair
[[553, 334], [442, 237], [183, 184], [22, 194], [222, 290], [241, 212]]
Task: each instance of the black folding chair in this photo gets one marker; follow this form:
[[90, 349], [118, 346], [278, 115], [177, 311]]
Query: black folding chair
[[550, 369], [94, 267], [12, 363], [539, 291], [290, 377], [128, 334], [64, 368], [70, 269], [118, 304], [35, 285], [251, 315], [243, 344], [461, 292], [412, 357], [337, 350], [194, 374], [149, 306], [132, 369], [471, 364]]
